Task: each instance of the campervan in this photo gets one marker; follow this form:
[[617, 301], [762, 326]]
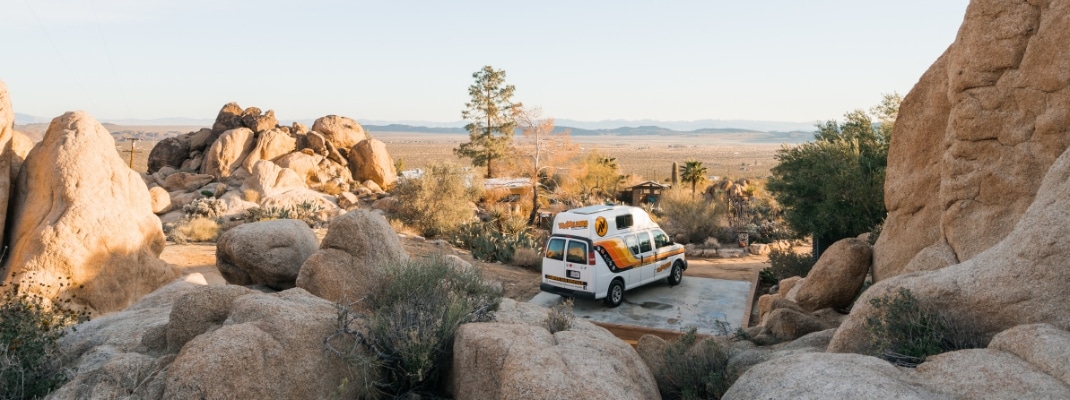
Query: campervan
[[599, 252]]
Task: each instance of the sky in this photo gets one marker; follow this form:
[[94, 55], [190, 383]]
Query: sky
[[771, 60]]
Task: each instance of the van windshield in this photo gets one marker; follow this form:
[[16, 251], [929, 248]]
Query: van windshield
[[556, 249]]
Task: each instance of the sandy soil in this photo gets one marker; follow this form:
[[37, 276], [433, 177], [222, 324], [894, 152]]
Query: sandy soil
[[517, 283]]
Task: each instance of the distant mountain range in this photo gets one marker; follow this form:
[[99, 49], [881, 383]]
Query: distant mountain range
[[764, 131]]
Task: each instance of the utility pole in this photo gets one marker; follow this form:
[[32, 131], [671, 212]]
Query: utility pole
[[132, 150]]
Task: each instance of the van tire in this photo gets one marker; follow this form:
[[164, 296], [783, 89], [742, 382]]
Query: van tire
[[677, 274], [615, 295]]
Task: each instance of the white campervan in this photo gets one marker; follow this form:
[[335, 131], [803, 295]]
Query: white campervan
[[598, 252]]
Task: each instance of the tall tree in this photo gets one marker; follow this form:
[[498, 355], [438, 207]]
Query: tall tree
[[491, 119], [541, 150], [833, 187], [693, 172]]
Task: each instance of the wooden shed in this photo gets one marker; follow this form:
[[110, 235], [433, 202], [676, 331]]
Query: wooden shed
[[648, 192]]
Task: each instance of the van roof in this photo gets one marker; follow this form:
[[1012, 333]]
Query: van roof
[[594, 209]]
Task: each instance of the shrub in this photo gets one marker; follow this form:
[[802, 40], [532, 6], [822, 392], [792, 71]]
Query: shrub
[[528, 258], [437, 203], [196, 229], [786, 264], [560, 317], [695, 369], [496, 239], [694, 217], [207, 207], [414, 315], [307, 211], [905, 332], [29, 357]]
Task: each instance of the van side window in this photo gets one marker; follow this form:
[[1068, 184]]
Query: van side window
[[624, 221], [632, 243], [661, 239], [577, 252], [556, 249], [644, 242]]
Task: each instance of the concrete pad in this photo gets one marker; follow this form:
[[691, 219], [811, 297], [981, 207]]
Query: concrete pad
[[698, 302]]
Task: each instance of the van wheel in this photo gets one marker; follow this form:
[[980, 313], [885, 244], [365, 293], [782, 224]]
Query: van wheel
[[676, 275], [616, 293]]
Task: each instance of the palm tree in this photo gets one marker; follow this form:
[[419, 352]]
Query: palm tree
[[693, 171]]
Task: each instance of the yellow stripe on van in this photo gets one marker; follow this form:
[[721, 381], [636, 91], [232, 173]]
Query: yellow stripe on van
[[662, 256], [619, 252]]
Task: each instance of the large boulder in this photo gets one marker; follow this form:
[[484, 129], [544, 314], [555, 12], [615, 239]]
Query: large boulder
[[161, 200], [987, 374], [170, 152], [266, 253], [229, 117], [516, 357], [827, 376], [226, 154], [253, 119], [190, 341], [84, 219], [269, 180], [1044, 346], [1021, 280], [356, 246], [271, 144], [7, 154], [981, 125], [369, 160], [342, 132], [837, 276], [314, 168]]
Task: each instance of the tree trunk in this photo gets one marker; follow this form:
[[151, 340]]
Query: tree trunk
[[534, 200]]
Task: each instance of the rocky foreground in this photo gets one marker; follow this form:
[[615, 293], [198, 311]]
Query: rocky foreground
[[977, 191]]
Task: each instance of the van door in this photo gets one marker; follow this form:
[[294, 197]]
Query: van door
[[633, 276], [646, 251]]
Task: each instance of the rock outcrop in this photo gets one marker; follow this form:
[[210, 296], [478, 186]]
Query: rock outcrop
[[341, 132], [193, 341], [266, 253], [516, 357], [84, 219], [226, 154], [837, 277], [987, 119], [7, 154], [371, 161], [1021, 280], [357, 244]]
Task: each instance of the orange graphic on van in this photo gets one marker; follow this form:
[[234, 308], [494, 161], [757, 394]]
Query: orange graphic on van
[[601, 226], [573, 225]]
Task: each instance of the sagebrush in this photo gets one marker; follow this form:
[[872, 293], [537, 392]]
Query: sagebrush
[[560, 316], [693, 217], [905, 332], [785, 264], [413, 315], [307, 211], [437, 203], [695, 368], [30, 361]]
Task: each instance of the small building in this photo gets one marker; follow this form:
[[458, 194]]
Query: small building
[[648, 192]]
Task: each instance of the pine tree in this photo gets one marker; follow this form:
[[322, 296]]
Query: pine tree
[[491, 119]]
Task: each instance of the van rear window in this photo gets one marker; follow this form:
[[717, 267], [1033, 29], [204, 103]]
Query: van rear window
[[577, 252], [556, 249]]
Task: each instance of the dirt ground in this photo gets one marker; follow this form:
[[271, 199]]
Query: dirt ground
[[518, 283]]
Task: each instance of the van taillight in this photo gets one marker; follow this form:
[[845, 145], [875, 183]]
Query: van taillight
[[590, 257]]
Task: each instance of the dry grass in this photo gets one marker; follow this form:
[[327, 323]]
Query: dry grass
[[250, 195], [528, 258], [198, 229], [649, 157]]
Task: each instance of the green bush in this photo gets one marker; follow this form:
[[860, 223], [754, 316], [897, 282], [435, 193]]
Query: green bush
[[560, 317], [694, 217], [414, 314], [29, 357], [496, 239], [438, 203], [695, 369], [905, 332], [786, 264]]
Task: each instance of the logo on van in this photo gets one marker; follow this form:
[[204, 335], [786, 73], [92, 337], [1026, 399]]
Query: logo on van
[[601, 226], [573, 224]]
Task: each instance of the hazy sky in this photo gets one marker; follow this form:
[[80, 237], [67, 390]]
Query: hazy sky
[[785, 60]]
